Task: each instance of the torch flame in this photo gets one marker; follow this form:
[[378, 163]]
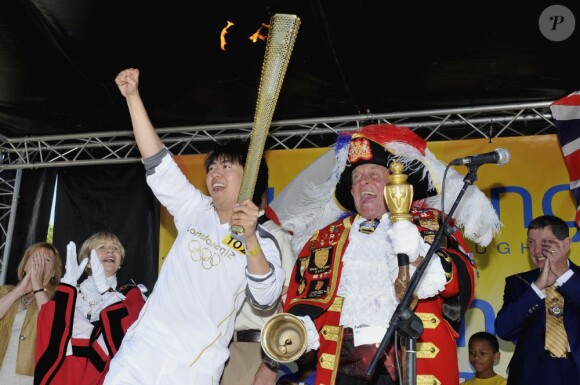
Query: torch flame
[[258, 34], [223, 35]]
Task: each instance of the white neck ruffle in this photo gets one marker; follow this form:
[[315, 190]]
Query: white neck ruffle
[[368, 276]]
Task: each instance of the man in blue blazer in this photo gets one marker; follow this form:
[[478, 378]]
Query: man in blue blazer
[[522, 318]]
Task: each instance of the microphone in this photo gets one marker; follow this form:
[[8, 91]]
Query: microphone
[[500, 156]]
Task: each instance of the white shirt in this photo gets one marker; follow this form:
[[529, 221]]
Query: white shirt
[[183, 331]]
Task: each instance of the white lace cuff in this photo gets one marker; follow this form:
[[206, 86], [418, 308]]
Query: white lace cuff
[[313, 342], [433, 280]]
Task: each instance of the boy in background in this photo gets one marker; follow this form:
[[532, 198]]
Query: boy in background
[[483, 355]]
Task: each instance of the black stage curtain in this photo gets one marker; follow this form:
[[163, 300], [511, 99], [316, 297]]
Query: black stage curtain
[[32, 215], [112, 198]]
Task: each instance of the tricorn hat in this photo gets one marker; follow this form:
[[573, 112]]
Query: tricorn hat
[[382, 144], [313, 207]]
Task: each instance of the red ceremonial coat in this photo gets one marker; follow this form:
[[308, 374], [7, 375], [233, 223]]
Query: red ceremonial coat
[[89, 362], [315, 281]]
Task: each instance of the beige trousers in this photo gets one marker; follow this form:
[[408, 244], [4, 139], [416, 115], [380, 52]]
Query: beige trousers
[[245, 359]]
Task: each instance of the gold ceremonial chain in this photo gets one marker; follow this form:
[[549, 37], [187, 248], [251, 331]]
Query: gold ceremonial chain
[[91, 303]]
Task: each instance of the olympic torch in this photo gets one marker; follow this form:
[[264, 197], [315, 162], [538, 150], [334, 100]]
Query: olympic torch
[[279, 45]]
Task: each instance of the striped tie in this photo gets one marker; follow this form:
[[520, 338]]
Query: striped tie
[[556, 338]]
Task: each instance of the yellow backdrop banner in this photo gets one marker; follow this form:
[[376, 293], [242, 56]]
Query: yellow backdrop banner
[[533, 183]]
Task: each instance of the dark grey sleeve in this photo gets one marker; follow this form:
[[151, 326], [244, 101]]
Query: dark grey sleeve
[[154, 160]]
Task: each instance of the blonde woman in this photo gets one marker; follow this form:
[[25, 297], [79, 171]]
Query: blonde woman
[[81, 328], [39, 272], [98, 291]]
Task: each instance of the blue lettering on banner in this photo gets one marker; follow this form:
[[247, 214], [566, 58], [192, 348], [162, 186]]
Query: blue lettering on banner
[[526, 198], [527, 204], [501, 248], [488, 317]]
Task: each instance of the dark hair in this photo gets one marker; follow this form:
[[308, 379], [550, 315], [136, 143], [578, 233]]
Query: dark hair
[[559, 228], [486, 336], [236, 151]]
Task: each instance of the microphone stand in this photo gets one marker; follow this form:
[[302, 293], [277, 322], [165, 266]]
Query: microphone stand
[[403, 319]]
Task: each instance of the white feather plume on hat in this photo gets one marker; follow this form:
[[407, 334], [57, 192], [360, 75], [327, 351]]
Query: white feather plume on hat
[[308, 203]]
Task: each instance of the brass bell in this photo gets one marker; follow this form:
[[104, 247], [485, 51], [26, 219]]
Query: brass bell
[[284, 337]]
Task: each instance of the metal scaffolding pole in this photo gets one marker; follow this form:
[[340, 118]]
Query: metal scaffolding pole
[[433, 125], [9, 187], [115, 147]]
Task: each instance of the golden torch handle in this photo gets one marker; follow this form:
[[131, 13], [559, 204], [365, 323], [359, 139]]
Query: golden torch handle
[[399, 197], [279, 45]]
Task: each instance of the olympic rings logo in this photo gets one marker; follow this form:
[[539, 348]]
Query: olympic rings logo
[[199, 253]]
